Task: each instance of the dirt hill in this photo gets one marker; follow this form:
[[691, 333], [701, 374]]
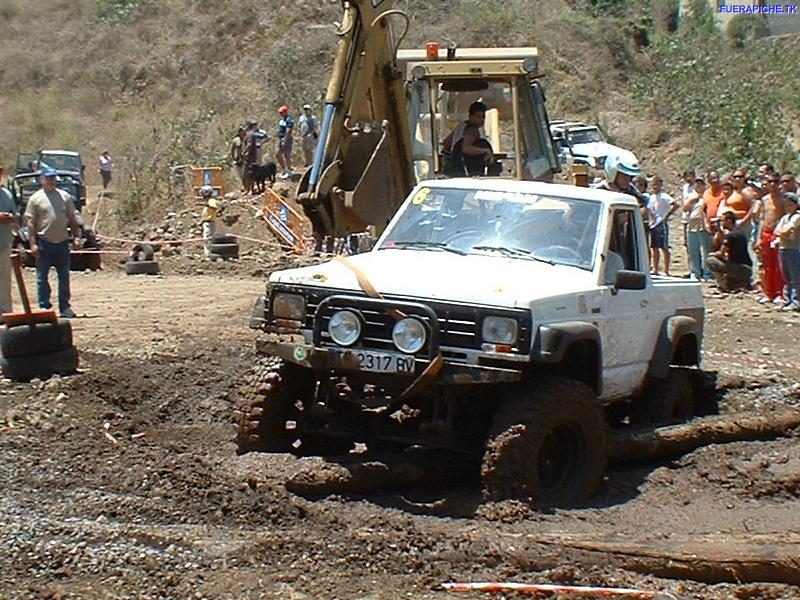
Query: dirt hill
[[163, 83]]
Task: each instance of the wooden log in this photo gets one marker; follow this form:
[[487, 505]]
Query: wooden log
[[708, 559], [675, 440], [380, 472]]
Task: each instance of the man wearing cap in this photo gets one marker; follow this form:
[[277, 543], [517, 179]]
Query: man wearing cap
[[285, 130], [788, 232], [49, 213], [8, 219], [308, 133]]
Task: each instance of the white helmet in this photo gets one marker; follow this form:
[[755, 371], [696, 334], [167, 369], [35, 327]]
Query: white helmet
[[621, 161], [206, 190]]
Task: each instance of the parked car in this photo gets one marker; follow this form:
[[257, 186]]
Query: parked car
[[581, 143], [67, 162]]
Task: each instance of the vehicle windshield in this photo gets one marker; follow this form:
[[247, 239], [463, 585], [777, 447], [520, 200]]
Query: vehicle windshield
[[585, 136], [61, 162], [552, 229]]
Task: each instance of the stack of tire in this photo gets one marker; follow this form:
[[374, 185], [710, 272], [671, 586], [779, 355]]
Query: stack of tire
[[225, 247], [141, 261], [38, 351]]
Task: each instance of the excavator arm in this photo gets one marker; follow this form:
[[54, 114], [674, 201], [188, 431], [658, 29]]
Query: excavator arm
[[362, 168]]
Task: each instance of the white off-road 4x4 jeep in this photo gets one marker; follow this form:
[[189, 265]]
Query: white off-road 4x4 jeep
[[504, 319]]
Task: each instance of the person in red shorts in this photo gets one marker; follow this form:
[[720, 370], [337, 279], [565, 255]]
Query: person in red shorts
[[770, 209]]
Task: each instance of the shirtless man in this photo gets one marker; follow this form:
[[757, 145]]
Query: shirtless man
[[770, 209], [740, 201]]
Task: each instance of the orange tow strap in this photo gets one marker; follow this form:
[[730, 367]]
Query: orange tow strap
[[433, 367]]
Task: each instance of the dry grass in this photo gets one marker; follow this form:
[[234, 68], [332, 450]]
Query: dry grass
[[172, 83]]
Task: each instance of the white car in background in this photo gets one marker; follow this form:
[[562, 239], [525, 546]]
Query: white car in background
[[581, 143]]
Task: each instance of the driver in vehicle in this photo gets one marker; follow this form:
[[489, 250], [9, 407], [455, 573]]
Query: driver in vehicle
[[471, 156]]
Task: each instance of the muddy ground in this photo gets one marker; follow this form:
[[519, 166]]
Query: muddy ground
[[162, 507]]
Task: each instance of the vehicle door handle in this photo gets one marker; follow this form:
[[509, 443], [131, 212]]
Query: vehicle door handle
[[644, 303]]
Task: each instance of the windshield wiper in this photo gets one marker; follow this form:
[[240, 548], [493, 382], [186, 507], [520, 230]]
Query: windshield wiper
[[515, 253], [425, 245]]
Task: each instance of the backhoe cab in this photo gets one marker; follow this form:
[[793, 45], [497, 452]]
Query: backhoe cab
[[387, 112]]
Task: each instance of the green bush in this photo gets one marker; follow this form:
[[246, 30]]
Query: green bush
[[737, 103], [742, 29], [118, 11]]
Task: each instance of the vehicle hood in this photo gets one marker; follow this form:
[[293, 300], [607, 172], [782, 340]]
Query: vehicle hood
[[594, 149], [478, 279]]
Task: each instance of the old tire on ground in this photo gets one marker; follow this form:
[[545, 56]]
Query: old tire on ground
[[222, 238], [146, 250], [42, 366], [665, 400], [142, 267], [268, 400], [225, 250], [546, 445], [43, 338]]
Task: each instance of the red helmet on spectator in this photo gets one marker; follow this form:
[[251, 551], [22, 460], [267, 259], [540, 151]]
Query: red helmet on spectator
[[283, 108]]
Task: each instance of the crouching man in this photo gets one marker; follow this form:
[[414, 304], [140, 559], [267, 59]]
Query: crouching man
[[731, 264]]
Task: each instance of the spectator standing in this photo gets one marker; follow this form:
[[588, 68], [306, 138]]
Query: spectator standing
[[788, 232], [640, 183], [285, 139], [687, 189], [49, 213], [236, 153], [698, 238], [308, 133], [731, 265], [250, 156], [660, 208], [740, 201], [105, 166], [211, 210], [771, 209], [788, 183], [713, 196], [8, 220]]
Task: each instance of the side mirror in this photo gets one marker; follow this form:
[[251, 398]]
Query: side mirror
[[630, 280]]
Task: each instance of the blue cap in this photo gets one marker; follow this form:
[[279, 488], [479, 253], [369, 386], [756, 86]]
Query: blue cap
[[48, 171]]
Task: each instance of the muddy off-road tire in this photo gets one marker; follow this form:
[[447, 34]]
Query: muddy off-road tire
[[42, 338], [268, 398], [665, 400], [42, 366], [547, 445]]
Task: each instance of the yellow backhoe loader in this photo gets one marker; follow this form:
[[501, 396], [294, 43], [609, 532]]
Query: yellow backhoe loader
[[388, 110]]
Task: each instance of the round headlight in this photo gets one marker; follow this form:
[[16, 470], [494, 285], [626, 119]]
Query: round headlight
[[344, 327], [409, 335]]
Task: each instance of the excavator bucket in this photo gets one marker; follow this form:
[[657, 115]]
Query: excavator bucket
[[372, 198]]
